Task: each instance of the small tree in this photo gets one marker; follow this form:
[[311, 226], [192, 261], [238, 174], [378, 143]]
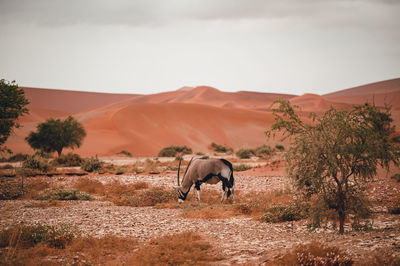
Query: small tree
[[334, 156], [12, 106], [55, 135]]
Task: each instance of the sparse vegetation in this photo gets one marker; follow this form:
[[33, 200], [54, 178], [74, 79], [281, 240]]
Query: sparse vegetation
[[334, 157], [18, 157], [26, 236], [282, 213], [173, 151], [126, 153], [91, 164], [221, 148], [69, 159], [245, 153], [263, 151], [65, 194], [36, 162], [314, 253], [241, 167]]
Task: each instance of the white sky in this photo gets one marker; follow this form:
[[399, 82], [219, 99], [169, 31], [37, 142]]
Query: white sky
[[148, 46]]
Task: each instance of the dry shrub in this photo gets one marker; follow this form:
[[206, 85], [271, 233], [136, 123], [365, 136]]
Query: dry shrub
[[77, 250], [314, 253], [150, 166], [256, 204], [109, 250], [34, 187], [27, 188], [26, 236], [206, 211], [144, 198], [186, 248], [251, 204], [90, 186], [10, 188]]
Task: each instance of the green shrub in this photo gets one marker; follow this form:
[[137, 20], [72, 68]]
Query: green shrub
[[69, 159], [221, 148], [263, 151], [244, 153], [396, 177], [172, 151], [91, 164], [37, 163], [65, 194], [282, 213], [280, 147], [241, 167], [124, 152]]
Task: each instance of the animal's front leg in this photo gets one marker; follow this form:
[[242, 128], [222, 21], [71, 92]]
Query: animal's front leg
[[197, 186]]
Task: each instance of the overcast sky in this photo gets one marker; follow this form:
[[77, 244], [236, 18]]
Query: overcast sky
[[148, 46]]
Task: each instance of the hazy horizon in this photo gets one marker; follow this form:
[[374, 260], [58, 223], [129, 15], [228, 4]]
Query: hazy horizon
[[145, 47]]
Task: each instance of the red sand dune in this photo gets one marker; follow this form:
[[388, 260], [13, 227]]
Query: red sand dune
[[315, 103], [381, 93], [143, 124], [211, 96], [70, 101], [143, 129]]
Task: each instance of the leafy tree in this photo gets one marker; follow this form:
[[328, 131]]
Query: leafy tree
[[12, 106], [55, 135], [335, 155]]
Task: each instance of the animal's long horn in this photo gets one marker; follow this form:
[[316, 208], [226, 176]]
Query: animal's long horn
[[179, 169], [187, 168]]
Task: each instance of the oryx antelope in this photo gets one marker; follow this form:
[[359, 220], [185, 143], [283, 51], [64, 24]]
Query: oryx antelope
[[209, 171]]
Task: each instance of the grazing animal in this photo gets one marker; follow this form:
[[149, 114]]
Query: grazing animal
[[209, 171]]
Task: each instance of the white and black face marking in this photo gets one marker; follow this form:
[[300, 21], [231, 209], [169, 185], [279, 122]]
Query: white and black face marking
[[182, 195]]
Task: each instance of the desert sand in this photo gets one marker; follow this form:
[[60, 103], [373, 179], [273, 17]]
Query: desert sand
[[143, 124]]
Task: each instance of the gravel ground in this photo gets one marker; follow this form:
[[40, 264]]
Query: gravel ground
[[241, 240]]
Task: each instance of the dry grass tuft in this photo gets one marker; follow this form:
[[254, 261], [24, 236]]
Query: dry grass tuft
[[90, 186], [150, 197], [251, 204], [138, 194], [181, 249], [33, 246], [46, 204], [314, 253]]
